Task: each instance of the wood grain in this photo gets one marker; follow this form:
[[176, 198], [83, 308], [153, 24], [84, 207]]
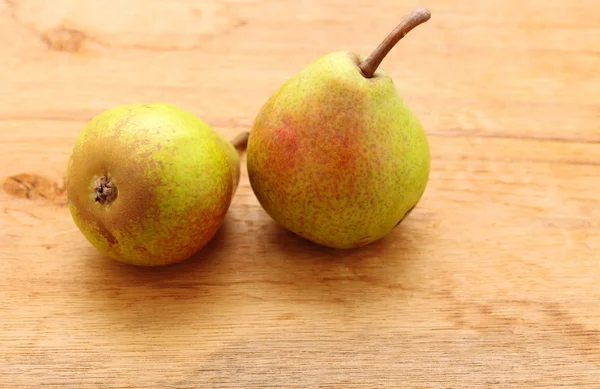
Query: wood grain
[[492, 282]]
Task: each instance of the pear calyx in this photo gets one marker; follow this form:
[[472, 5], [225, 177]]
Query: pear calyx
[[105, 190], [415, 18]]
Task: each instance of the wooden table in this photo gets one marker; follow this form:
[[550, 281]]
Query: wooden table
[[493, 282]]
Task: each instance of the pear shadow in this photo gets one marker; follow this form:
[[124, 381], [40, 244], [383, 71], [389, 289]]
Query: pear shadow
[[174, 294], [347, 277]]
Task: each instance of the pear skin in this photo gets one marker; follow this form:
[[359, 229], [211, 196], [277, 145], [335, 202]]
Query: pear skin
[[337, 157], [150, 184]]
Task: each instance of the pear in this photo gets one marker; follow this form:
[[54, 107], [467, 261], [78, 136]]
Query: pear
[[335, 155], [150, 184]]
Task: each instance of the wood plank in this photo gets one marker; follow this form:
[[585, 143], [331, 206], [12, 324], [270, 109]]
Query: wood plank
[[492, 282]]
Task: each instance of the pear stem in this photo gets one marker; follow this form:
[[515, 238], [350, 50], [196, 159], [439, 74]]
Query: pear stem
[[241, 140], [416, 17]]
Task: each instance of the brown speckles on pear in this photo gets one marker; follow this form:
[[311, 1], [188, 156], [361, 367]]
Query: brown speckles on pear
[[105, 232], [110, 157], [202, 224], [293, 141], [287, 146]]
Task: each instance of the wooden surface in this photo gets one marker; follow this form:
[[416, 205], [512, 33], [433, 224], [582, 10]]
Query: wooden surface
[[492, 282]]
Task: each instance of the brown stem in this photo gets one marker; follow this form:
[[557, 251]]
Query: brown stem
[[416, 17], [241, 140]]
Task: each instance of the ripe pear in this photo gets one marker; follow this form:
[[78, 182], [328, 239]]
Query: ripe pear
[[335, 155], [150, 184]]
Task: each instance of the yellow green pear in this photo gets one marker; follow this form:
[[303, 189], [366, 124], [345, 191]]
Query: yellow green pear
[[335, 155], [150, 184]]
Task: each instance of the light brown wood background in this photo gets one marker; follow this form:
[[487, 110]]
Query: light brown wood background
[[493, 282]]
